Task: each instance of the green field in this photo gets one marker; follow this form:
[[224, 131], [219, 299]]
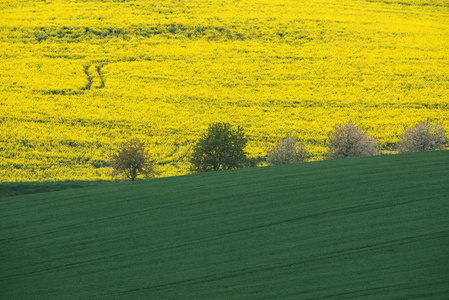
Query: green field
[[365, 228]]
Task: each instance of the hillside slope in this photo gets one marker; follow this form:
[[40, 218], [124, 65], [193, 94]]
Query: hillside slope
[[367, 228]]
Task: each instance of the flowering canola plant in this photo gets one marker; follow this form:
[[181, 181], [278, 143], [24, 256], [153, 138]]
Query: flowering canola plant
[[80, 77]]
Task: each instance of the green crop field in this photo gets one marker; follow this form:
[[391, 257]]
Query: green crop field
[[365, 228]]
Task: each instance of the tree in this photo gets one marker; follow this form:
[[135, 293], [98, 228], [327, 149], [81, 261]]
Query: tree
[[422, 137], [131, 160], [221, 147], [348, 140], [287, 152]]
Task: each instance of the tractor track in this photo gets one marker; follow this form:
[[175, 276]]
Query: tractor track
[[94, 77]]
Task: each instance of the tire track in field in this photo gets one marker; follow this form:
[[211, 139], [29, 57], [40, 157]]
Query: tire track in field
[[100, 76], [372, 291], [276, 266], [94, 77], [89, 79], [338, 211], [61, 267], [246, 271], [352, 251]]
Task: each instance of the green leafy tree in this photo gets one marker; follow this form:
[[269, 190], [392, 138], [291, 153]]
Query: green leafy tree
[[425, 136], [348, 140], [221, 147], [288, 151], [132, 160]]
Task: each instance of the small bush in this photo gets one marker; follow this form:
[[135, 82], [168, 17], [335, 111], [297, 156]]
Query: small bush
[[348, 140], [288, 151], [422, 137], [131, 160], [221, 147]]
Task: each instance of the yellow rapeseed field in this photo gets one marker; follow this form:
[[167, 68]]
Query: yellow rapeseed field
[[79, 77]]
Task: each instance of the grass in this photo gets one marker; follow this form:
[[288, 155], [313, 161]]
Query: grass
[[365, 228]]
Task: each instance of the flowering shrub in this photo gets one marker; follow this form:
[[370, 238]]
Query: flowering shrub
[[288, 151], [131, 160], [425, 136], [348, 140]]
